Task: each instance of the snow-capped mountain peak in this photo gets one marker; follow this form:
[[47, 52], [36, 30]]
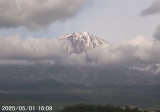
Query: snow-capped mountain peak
[[80, 42]]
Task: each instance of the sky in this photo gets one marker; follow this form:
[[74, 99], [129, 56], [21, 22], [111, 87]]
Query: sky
[[114, 21], [29, 28]]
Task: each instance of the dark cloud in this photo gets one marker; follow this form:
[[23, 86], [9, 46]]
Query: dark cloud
[[153, 9], [36, 14], [157, 33]]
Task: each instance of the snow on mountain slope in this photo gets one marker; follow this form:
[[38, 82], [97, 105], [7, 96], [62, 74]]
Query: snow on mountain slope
[[80, 42]]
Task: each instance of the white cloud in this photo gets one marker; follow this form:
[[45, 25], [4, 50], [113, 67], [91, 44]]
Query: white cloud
[[31, 50], [36, 14], [147, 68], [137, 50], [15, 49]]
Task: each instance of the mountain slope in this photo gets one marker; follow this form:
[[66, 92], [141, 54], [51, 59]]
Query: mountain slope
[[80, 42]]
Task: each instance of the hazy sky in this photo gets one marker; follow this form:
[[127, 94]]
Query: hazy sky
[[113, 20]]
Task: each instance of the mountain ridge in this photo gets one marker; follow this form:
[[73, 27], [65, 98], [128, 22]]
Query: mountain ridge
[[81, 42]]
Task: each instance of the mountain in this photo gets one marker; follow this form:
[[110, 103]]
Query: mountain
[[80, 42], [60, 83], [88, 73]]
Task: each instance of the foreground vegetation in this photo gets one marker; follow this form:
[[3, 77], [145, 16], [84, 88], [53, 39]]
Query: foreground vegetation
[[101, 108]]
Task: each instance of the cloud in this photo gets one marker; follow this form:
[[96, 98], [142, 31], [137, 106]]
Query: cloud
[[36, 14], [15, 47], [137, 50], [17, 50], [153, 9], [156, 34]]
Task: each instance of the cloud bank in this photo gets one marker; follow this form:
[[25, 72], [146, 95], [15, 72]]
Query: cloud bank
[[16, 50], [131, 51], [36, 14], [153, 9]]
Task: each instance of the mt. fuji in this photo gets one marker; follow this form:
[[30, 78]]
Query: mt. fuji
[[80, 42]]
